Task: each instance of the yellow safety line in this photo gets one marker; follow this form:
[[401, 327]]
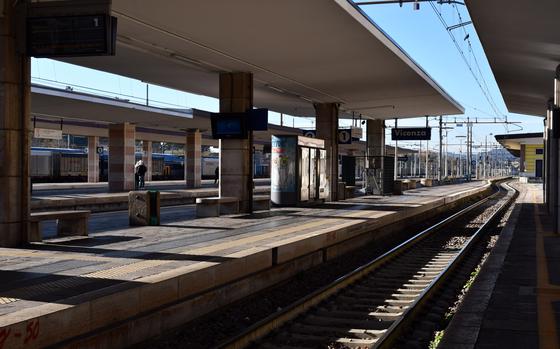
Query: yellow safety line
[[546, 293]]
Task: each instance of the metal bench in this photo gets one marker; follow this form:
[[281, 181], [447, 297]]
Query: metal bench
[[68, 223], [214, 206]]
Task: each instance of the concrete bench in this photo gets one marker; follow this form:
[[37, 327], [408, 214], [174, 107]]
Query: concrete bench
[[411, 184], [350, 190], [261, 202], [214, 206], [427, 182], [68, 223]]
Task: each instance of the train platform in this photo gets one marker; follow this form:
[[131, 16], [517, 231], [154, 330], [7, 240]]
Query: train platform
[[120, 286], [42, 189], [515, 300], [95, 196]]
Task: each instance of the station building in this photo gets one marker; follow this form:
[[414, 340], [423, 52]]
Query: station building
[[529, 148]]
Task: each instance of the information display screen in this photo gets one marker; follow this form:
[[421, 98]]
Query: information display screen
[[229, 126], [69, 36]]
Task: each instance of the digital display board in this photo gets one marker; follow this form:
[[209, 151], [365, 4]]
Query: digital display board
[[229, 126], [259, 119], [71, 36]]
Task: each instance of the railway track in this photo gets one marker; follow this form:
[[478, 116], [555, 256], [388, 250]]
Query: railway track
[[375, 305]]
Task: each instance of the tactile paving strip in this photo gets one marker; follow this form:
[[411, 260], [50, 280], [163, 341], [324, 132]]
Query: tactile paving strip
[[125, 269], [44, 289]]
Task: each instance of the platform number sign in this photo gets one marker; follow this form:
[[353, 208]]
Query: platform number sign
[[99, 150], [344, 136], [403, 158], [309, 133]]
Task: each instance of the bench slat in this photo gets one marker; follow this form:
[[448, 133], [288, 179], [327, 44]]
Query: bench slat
[[41, 216], [216, 200], [261, 197]]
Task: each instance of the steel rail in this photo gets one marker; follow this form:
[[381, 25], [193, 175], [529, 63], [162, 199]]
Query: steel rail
[[276, 320], [395, 331]]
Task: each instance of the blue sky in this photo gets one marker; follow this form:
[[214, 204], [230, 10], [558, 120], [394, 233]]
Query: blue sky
[[419, 33]]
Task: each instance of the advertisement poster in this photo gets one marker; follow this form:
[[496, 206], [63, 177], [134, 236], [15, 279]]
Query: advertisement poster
[[283, 164]]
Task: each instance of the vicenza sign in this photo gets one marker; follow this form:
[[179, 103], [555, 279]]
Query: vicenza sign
[[411, 134]]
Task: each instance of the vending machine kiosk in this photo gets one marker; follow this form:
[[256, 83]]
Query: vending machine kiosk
[[298, 170]]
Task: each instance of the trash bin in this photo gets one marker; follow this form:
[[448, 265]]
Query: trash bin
[[398, 187], [143, 207], [341, 191]]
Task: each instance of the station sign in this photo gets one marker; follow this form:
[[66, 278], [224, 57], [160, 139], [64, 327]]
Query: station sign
[[357, 133], [311, 142], [47, 133], [403, 158], [309, 133], [344, 135], [411, 134]]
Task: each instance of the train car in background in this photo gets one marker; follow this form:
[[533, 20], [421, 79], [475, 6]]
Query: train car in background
[[261, 167], [209, 165], [58, 165], [172, 167], [51, 165], [164, 166]]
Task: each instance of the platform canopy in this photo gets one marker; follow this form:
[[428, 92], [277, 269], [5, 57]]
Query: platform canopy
[[300, 53], [85, 113], [512, 142], [522, 43], [57, 103]]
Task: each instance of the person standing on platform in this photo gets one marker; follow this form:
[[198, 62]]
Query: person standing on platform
[[216, 175], [136, 177], [141, 170]]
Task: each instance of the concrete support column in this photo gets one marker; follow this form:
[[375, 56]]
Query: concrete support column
[[15, 134], [327, 129], [236, 177], [375, 142], [93, 159], [522, 157], [555, 156], [122, 146], [147, 158], [547, 134], [193, 164]]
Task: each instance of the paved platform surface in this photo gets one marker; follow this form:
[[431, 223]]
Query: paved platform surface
[[68, 287], [515, 300]]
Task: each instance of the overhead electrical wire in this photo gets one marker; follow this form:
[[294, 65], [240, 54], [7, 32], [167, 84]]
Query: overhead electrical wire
[[495, 107], [463, 56]]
